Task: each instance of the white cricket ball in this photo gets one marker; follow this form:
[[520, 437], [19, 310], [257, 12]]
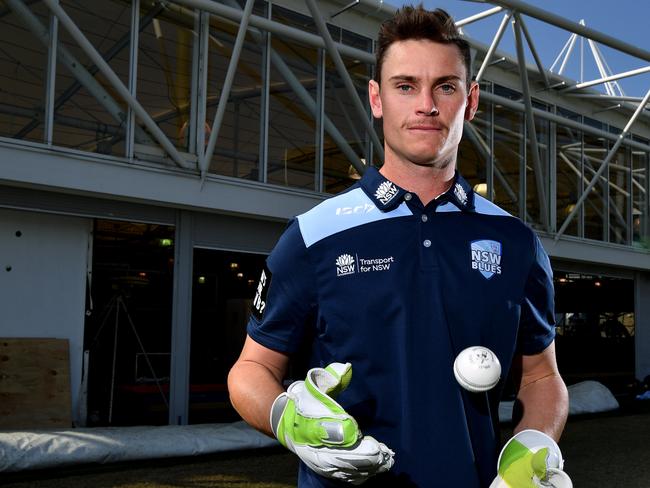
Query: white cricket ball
[[477, 369]]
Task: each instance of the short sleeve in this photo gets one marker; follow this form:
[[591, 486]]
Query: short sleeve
[[537, 322], [284, 303]]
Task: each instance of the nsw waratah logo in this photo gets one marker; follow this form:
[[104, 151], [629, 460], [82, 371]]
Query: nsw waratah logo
[[386, 192], [460, 193], [486, 257], [345, 265]]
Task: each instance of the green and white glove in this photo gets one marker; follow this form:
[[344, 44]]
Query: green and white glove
[[531, 459], [309, 422]]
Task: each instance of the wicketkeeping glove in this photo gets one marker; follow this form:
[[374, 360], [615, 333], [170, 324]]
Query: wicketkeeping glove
[[531, 459], [308, 421]]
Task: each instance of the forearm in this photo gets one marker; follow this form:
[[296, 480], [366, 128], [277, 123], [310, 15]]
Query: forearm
[[253, 387], [545, 405]]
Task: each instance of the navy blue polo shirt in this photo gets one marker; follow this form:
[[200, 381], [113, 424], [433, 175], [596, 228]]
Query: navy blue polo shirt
[[398, 289]]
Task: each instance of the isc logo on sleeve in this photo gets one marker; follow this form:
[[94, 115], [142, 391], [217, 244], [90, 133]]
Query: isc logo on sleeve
[[486, 257]]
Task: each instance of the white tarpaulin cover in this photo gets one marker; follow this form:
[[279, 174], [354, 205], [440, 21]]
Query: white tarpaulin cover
[[584, 397], [54, 448]]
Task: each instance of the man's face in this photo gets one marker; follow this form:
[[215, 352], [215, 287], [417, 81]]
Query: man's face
[[423, 100]]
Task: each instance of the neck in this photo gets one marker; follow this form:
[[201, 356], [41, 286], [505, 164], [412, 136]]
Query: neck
[[427, 182]]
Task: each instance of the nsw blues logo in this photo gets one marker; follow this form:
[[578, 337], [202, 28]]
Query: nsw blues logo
[[486, 257]]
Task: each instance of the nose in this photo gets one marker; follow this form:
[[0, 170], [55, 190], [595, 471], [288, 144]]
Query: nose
[[427, 104]]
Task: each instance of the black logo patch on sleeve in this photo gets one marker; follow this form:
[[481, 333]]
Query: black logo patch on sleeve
[[259, 302]]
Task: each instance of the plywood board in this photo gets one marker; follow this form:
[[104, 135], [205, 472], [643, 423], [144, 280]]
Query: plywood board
[[34, 383]]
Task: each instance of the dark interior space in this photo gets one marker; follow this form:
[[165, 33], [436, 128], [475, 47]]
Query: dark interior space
[[128, 323], [595, 330]]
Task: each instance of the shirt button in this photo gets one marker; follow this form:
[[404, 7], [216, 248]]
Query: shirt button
[[407, 196], [424, 218], [427, 243]]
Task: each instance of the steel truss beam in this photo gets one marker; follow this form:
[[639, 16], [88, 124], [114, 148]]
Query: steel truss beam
[[115, 82], [479, 16], [227, 85], [235, 14], [70, 62], [520, 107], [604, 165], [531, 45], [92, 70], [548, 17], [607, 79], [345, 76], [493, 46], [291, 79], [530, 124]]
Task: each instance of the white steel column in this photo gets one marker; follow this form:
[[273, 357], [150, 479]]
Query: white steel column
[[530, 126], [133, 76], [50, 77], [179, 381]]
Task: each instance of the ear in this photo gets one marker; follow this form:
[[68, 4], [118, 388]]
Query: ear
[[472, 101], [375, 99]]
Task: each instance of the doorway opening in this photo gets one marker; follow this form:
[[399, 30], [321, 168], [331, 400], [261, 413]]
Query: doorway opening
[[128, 323]]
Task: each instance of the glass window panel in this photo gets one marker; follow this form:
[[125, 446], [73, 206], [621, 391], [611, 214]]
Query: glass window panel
[[237, 148], [90, 117], [569, 182], [534, 200], [23, 66], [640, 221], [165, 74], [619, 196], [508, 152], [297, 20], [474, 150], [338, 172], [292, 128], [224, 285], [595, 206]]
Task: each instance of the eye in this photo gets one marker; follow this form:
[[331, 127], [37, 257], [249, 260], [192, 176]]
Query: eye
[[447, 88], [405, 88]]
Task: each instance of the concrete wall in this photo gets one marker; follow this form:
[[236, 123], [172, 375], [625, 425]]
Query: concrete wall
[[43, 262]]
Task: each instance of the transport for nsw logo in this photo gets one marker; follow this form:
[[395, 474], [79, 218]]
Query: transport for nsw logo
[[345, 265]]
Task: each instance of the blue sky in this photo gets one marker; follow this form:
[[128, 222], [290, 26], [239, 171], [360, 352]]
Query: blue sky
[[627, 20]]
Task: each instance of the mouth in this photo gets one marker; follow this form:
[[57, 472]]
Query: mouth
[[424, 128]]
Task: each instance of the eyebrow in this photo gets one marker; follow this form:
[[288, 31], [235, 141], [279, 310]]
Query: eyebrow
[[413, 79]]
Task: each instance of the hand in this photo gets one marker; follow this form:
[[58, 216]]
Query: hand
[[308, 421], [531, 459]]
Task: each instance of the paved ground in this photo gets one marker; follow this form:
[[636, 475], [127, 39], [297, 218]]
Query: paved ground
[[601, 451]]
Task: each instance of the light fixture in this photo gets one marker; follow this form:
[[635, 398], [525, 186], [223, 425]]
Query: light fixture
[[165, 242], [597, 283], [353, 174], [201, 280], [481, 189], [240, 275], [234, 266]]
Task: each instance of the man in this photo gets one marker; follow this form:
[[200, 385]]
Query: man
[[394, 278]]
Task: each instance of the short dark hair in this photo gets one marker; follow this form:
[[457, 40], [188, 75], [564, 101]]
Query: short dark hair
[[418, 23]]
